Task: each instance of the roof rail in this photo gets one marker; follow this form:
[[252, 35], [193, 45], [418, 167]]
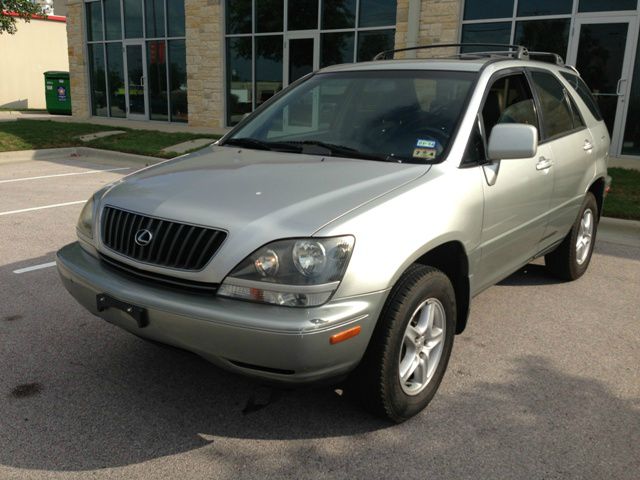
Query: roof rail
[[557, 59], [515, 51]]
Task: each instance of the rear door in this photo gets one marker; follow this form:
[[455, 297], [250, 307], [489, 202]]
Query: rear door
[[565, 131], [516, 192]]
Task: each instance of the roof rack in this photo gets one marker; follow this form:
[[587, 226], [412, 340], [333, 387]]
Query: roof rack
[[514, 51], [554, 57]]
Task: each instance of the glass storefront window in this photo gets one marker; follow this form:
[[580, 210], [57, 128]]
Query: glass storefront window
[[481, 9], [268, 67], [550, 35], [269, 15], [239, 81], [175, 18], [154, 15], [282, 47], [157, 80], [94, 21], [97, 79], [115, 80], [132, 18], [238, 14], [373, 42], [178, 81], [338, 14], [376, 13], [529, 8], [497, 32], [303, 15], [631, 141], [113, 26], [336, 48], [606, 5]]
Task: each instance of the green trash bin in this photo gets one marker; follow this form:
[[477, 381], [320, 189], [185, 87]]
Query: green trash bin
[[58, 92]]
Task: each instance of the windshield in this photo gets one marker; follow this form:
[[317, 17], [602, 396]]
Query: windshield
[[387, 115]]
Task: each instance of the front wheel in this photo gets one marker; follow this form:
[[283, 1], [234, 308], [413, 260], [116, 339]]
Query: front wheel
[[410, 347], [570, 260]]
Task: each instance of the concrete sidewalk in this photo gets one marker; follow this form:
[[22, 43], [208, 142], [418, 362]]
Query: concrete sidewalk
[[621, 232]]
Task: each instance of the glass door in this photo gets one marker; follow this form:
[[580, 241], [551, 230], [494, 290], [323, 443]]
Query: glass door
[[136, 91], [601, 50], [301, 55]]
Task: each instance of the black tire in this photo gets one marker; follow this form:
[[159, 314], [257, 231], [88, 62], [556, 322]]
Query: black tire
[[376, 382], [563, 261]]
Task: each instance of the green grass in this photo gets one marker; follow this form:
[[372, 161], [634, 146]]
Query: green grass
[[624, 198], [38, 134]]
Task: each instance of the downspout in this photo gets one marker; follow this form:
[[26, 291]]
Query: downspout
[[413, 27]]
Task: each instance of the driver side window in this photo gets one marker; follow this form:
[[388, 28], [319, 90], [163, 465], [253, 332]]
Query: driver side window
[[509, 101]]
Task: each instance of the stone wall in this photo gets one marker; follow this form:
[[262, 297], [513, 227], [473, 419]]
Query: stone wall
[[205, 83], [439, 23], [80, 101]]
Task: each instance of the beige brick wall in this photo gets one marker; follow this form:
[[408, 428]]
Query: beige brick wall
[[80, 106], [439, 23], [204, 63]]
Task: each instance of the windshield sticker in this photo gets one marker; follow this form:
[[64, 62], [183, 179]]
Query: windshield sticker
[[426, 143], [426, 153]]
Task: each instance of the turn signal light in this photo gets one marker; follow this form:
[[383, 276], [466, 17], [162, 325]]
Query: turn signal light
[[345, 335]]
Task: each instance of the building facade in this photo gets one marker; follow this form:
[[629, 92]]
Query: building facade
[[37, 46], [209, 62]]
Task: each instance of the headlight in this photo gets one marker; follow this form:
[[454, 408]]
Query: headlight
[[85, 222], [296, 273]]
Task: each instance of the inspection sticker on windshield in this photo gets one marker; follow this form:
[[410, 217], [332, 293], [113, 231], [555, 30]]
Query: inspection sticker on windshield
[[426, 143], [426, 153]]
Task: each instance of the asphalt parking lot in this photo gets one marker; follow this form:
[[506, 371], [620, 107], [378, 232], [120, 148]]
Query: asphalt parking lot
[[543, 384]]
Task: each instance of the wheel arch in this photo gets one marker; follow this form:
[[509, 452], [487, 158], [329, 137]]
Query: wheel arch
[[597, 188]]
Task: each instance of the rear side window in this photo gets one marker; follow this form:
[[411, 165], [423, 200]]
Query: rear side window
[[585, 94], [558, 116]]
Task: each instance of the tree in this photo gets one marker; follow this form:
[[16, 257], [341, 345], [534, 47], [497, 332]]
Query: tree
[[9, 9]]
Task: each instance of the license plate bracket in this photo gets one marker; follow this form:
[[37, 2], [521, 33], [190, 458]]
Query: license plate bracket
[[139, 314]]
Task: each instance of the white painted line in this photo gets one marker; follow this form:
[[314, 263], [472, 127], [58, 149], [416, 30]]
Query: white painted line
[[35, 267], [11, 212], [64, 174]]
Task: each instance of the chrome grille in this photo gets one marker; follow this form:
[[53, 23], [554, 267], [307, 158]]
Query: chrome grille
[[172, 244]]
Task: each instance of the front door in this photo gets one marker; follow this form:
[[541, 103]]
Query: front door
[[136, 94], [301, 55], [601, 51]]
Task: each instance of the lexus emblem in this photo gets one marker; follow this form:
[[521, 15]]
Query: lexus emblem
[[143, 237]]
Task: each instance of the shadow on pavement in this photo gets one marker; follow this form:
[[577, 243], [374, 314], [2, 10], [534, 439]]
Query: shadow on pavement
[[104, 398]]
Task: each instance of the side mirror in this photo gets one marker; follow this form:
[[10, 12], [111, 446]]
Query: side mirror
[[513, 140]]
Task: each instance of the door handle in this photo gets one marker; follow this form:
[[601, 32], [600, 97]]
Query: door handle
[[543, 163], [588, 146], [618, 85], [142, 81]]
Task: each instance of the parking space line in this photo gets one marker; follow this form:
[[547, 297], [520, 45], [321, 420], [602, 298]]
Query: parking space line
[[10, 180], [35, 267], [11, 212]]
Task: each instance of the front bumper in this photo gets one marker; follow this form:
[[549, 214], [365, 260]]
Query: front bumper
[[289, 345]]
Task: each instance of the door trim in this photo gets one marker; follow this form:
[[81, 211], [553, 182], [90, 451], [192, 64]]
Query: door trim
[[142, 45], [296, 36], [626, 74]]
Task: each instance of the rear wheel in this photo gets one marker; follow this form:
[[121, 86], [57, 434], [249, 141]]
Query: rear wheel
[[410, 347], [570, 260]]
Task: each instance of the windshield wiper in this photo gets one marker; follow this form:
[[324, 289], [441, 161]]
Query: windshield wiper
[[349, 152], [254, 143]]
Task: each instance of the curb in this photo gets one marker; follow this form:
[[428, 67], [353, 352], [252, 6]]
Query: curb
[[76, 152]]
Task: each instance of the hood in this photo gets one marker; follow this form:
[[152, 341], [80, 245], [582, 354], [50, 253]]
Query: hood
[[257, 196]]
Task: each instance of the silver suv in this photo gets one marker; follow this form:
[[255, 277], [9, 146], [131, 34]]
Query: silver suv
[[341, 230]]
